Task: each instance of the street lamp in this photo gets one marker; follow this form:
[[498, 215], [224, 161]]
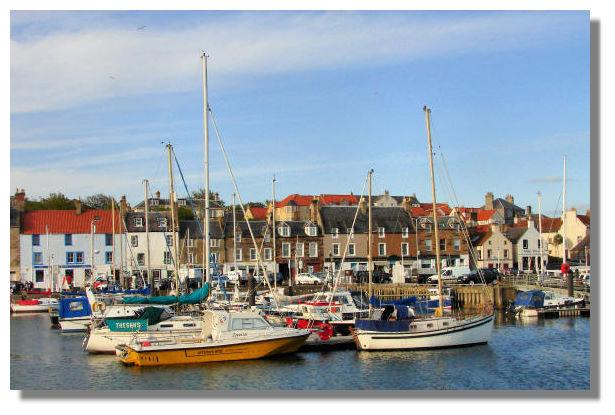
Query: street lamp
[[92, 231]]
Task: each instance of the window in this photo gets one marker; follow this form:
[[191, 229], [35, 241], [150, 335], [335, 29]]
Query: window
[[108, 239], [162, 222], [442, 244], [134, 241], [428, 245], [284, 230], [404, 248], [190, 258], [506, 253], [335, 232], [488, 253], [36, 240], [138, 222], [335, 249], [311, 230], [404, 232], [252, 254], [166, 259], [313, 249], [238, 254], [189, 242], [480, 254], [380, 232], [285, 250], [169, 240], [382, 249], [267, 253], [141, 259], [350, 232], [108, 257], [457, 244], [525, 244], [214, 257], [214, 243], [267, 237], [79, 257], [68, 239], [538, 243], [248, 324], [37, 258], [299, 250], [238, 236], [39, 275], [70, 257]]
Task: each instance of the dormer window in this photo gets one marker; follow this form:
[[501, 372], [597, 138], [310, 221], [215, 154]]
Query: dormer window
[[381, 232], [162, 222], [335, 232], [404, 232], [284, 230], [350, 233], [311, 230], [138, 222], [154, 202]]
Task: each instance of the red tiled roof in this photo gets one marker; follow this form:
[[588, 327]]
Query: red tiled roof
[[548, 224], [584, 219], [67, 221], [484, 214], [299, 200], [419, 211], [258, 212], [338, 199]]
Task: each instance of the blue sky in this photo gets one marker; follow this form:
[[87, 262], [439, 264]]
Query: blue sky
[[317, 98]]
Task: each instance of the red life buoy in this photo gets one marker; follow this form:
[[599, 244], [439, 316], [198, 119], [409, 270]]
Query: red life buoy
[[325, 332], [565, 268]]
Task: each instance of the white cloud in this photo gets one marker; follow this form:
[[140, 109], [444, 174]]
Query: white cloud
[[61, 69]]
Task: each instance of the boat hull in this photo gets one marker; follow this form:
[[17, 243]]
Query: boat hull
[[39, 308], [256, 349], [473, 332], [74, 325], [107, 342]]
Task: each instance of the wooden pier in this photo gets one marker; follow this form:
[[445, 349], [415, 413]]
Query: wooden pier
[[564, 312]]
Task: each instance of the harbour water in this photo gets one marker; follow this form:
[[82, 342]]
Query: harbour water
[[522, 355]]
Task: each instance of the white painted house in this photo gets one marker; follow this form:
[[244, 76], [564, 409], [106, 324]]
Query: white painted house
[[526, 242], [67, 246]]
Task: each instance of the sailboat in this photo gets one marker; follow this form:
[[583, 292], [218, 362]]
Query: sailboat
[[439, 331]]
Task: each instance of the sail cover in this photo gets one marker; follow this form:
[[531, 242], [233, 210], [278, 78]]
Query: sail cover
[[531, 299], [194, 297]]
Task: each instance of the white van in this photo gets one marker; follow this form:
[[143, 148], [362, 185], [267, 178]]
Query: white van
[[449, 274]]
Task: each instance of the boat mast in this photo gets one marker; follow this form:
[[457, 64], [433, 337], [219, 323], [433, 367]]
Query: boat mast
[[273, 231], [173, 223], [206, 145], [540, 232], [369, 240], [150, 277], [48, 256], [569, 274], [440, 309], [113, 239], [235, 236]]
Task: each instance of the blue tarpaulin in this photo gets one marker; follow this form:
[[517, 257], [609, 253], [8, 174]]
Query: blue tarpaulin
[[384, 326], [194, 297], [74, 307], [530, 299]]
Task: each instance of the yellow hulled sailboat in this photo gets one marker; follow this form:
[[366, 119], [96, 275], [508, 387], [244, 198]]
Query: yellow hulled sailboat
[[226, 336]]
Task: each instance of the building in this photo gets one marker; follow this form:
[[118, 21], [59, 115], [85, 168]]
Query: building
[[240, 252], [386, 200], [61, 246], [299, 247], [505, 209], [192, 248], [16, 210], [156, 203], [493, 249], [454, 251], [526, 247], [296, 207], [576, 229]]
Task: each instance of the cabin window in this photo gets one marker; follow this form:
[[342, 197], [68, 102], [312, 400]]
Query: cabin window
[[445, 323], [429, 325], [166, 326], [248, 324], [36, 240], [75, 306], [189, 325], [68, 239], [313, 249], [335, 249], [351, 251]]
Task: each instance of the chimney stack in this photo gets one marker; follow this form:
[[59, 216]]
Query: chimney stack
[[124, 204], [587, 213], [157, 194], [314, 206], [406, 205], [78, 207], [363, 206], [19, 201], [510, 199], [528, 211], [489, 201]]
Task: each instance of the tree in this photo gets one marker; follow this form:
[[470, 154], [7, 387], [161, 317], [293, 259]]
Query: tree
[[184, 213], [55, 201], [213, 196], [98, 201], [558, 239]]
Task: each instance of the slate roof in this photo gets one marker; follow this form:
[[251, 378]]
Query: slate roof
[[67, 221], [215, 229], [154, 225], [392, 219], [513, 234], [507, 205], [258, 228], [580, 247]]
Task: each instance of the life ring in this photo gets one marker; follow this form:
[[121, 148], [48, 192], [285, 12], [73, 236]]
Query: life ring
[[99, 307]]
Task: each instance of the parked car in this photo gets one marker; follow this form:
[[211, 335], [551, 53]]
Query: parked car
[[378, 277], [17, 286], [490, 276], [306, 278], [449, 274]]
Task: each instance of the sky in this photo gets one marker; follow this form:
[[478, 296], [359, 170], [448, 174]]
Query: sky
[[316, 98]]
